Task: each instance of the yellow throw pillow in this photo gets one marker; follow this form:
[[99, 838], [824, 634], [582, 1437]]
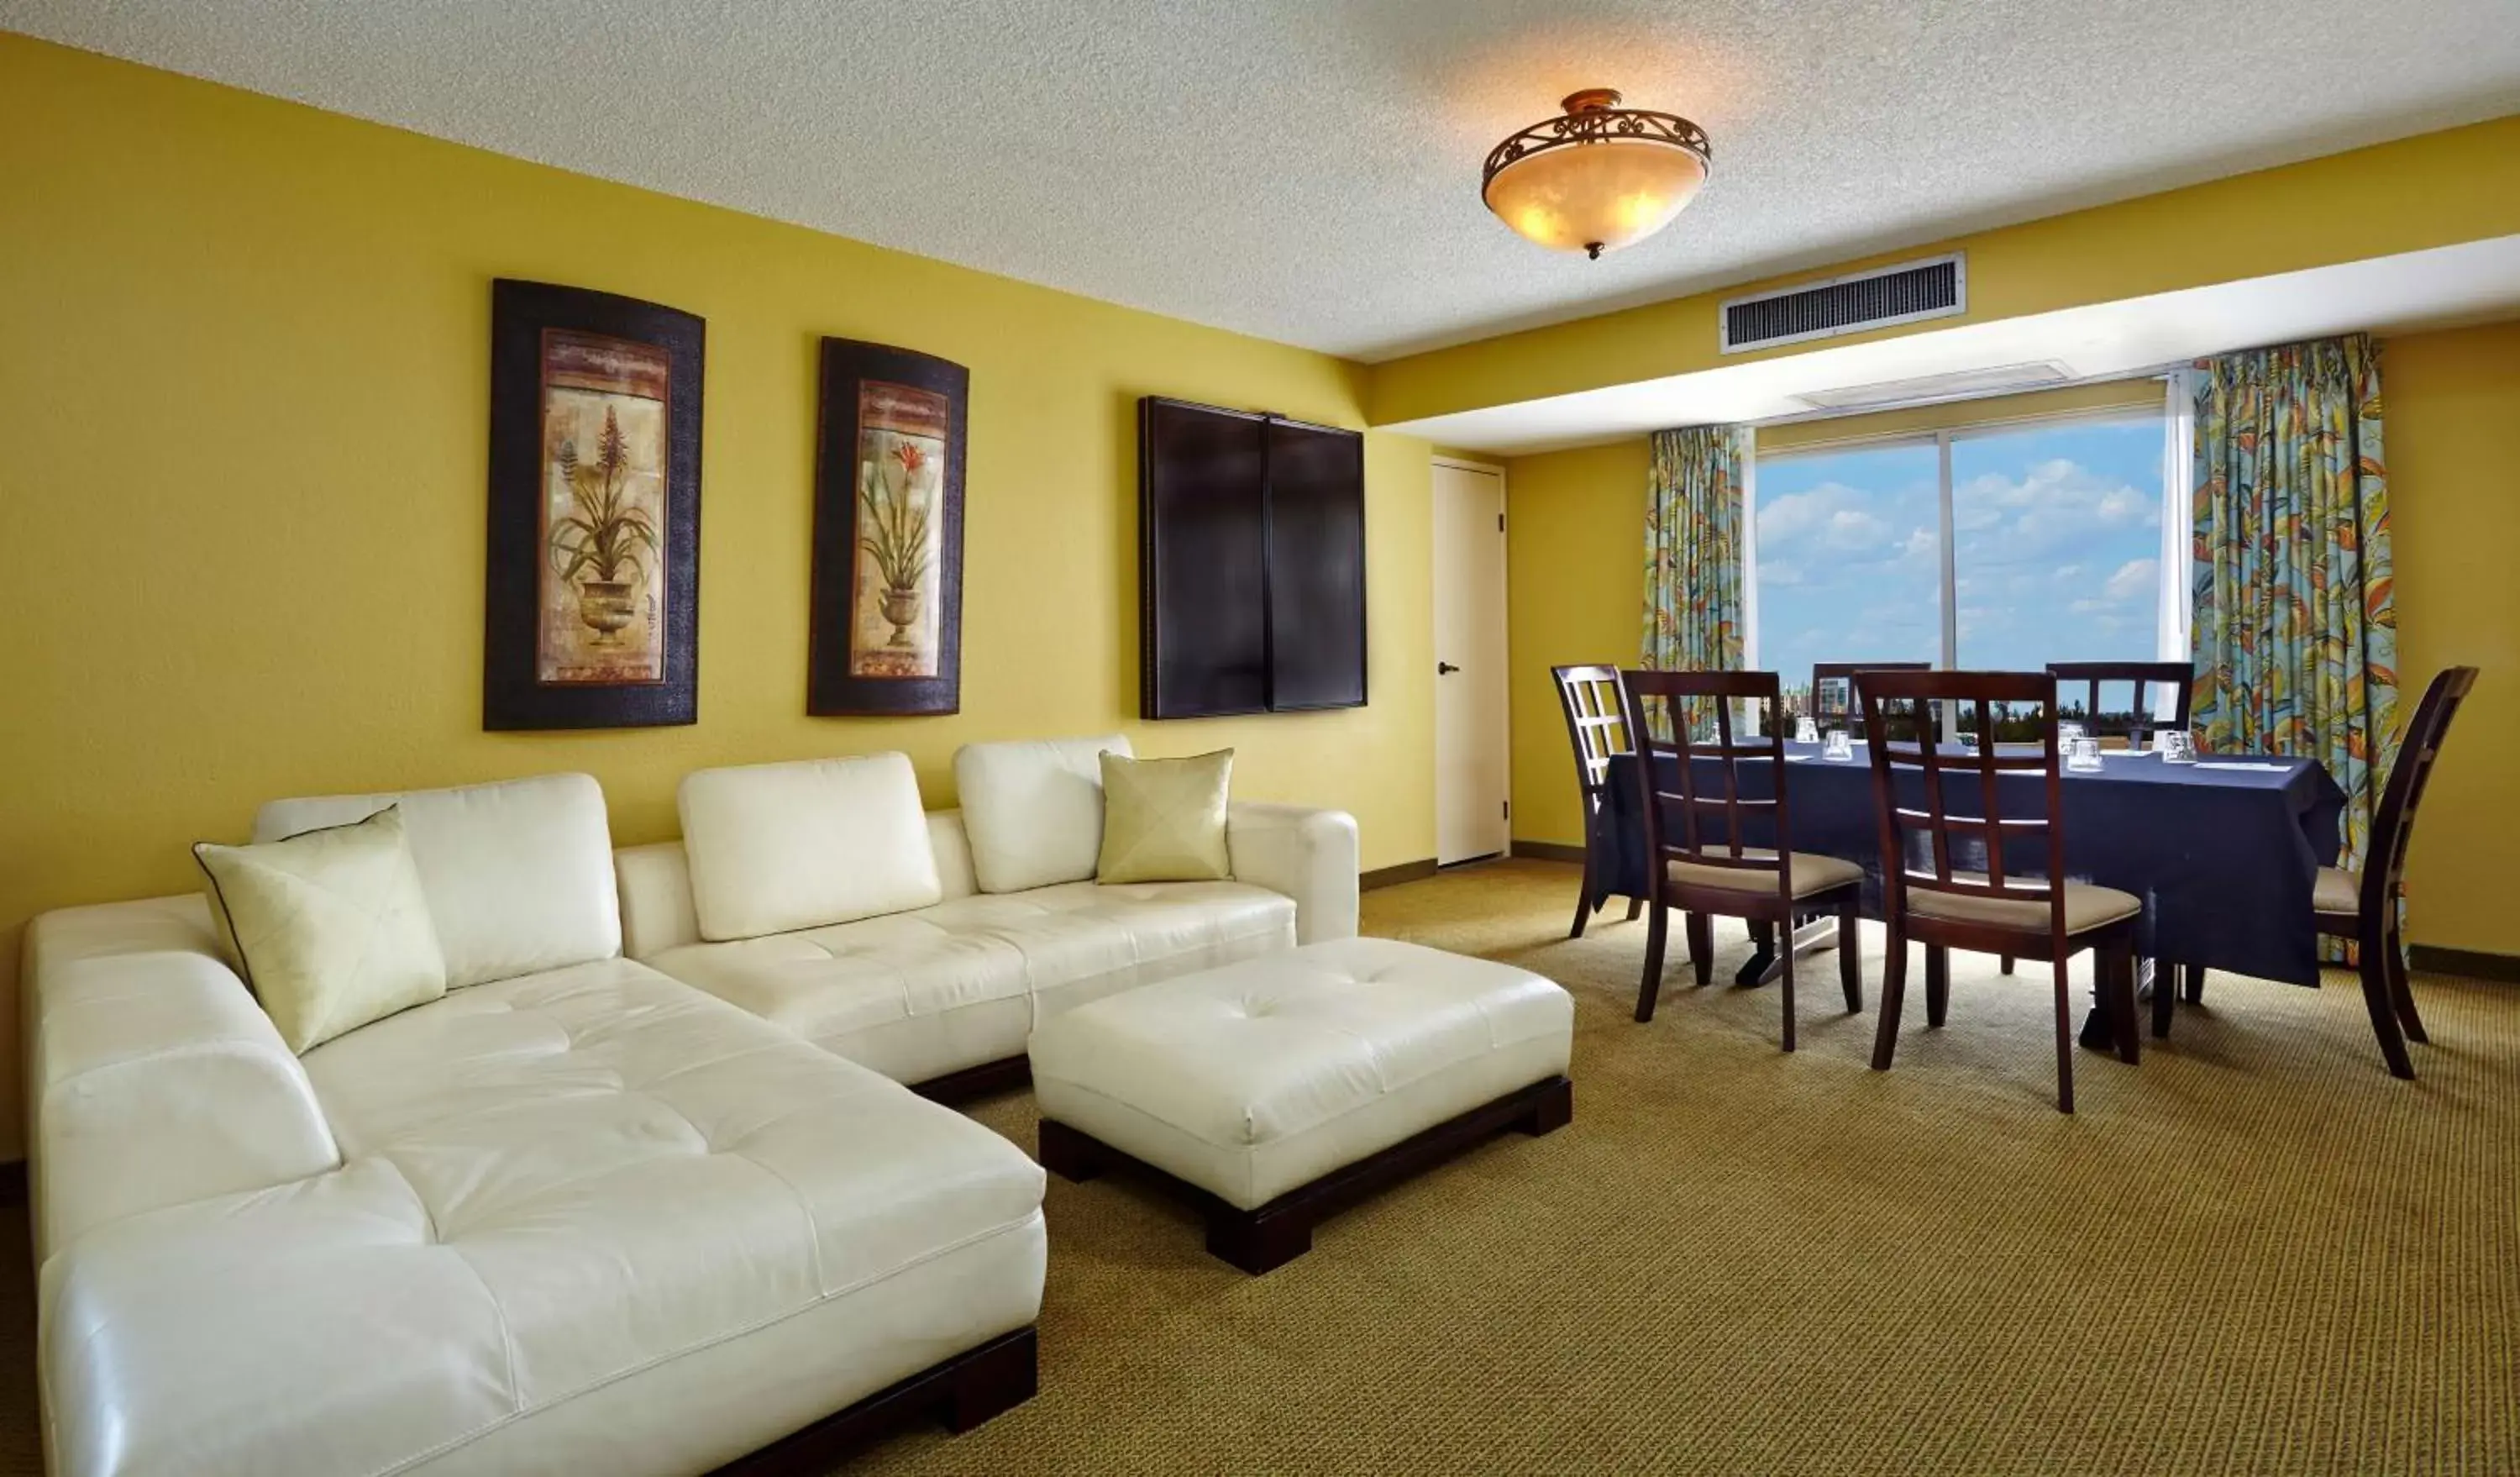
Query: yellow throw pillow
[[1163, 819], [329, 927]]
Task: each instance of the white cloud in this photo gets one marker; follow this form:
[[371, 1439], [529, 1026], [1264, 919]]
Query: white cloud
[[2136, 579]]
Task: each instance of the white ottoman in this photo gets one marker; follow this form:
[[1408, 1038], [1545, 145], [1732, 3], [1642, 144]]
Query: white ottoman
[[1277, 1091]]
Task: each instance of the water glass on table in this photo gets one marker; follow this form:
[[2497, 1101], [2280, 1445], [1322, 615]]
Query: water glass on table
[[2178, 746], [2082, 753], [1806, 731], [1838, 745]]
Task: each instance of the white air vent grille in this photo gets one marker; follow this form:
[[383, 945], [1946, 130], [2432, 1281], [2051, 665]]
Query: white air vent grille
[[1905, 293]]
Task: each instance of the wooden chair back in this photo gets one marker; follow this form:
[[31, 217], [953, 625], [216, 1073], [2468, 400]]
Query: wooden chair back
[[1695, 837], [2384, 868], [1853, 713], [1975, 779], [1595, 725], [2147, 676]]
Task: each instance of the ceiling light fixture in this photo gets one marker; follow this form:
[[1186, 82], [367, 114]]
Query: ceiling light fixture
[[1596, 177]]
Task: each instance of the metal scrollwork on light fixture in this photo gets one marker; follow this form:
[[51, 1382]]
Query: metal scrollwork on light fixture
[[1598, 177]]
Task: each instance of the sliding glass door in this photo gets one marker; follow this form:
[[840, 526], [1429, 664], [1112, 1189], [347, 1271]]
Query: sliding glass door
[[2003, 548]]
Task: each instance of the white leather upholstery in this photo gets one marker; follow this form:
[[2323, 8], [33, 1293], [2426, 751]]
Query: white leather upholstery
[[655, 883], [917, 995], [152, 1076], [1034, 809], [588, 1219], [780, 846], [1252, 1080], [1310, 855], [518, 874]]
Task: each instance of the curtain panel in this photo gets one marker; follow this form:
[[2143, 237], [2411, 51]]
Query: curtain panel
[[1693, 551], [2295, 625]]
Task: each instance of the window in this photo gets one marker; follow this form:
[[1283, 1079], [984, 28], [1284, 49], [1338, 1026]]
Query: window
[[2003, 548]]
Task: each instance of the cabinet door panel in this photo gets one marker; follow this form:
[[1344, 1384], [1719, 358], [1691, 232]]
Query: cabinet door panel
[[1316, 567], [1203, 561]]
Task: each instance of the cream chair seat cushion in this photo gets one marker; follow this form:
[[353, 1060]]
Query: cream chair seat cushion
[[587, 1221], [1812, 872], [2337, 892], [1258, 1078], [819, 841], [2086, 907], [331, 927], [1034, 809]]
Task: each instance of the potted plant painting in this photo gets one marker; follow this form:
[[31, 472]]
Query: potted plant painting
[[897, 505], [605, 534], [887, 617]]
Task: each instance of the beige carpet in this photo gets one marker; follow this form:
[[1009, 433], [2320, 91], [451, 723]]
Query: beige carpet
[[2254, 1253]]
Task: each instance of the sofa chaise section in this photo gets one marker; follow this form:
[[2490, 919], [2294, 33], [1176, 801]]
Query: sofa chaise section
[[581, 1217]]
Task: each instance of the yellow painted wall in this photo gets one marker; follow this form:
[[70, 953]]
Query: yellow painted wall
[[244, 396], [2451, 412], [2434, 190], [1575, 556]]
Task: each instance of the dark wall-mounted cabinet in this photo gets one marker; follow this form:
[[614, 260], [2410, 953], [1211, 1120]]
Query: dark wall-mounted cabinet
[[1250, 562]]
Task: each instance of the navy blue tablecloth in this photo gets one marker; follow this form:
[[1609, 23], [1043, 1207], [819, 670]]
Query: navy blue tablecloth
[[2223, 858]]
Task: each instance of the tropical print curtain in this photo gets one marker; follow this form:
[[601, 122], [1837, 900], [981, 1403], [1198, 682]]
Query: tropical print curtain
[[2295, 626], [1693, 551]]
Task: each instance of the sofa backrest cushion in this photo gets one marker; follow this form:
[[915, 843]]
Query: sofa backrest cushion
[[775, 847], [1033, 809], [518, 874]]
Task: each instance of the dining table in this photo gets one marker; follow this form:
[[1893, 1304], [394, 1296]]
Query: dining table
[[2224, 851]]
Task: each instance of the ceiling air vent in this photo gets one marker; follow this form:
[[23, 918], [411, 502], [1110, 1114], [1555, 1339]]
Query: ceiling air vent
[[1908, 292]]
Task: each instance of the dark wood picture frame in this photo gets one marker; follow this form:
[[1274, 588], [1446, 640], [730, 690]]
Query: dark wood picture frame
[[867, 572], [1252, 567], [534, 327]]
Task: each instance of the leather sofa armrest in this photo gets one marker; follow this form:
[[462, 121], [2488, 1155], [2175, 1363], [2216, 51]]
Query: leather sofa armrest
[[657, 909], [152, 1076], [1309, 855]]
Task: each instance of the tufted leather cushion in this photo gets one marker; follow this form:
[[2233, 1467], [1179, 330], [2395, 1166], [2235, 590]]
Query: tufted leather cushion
[[589, 1220], [519, 874], [916, 995], [1254, 1079], [1034, 809], [780, 846]]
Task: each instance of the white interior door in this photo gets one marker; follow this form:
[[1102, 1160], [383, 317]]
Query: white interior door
[[1470, 719]]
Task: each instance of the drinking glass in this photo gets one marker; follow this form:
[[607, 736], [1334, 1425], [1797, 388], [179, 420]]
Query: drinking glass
[[1806, 731], [2066, 733], [1839, 746], [2084, 753], [2178, 746]]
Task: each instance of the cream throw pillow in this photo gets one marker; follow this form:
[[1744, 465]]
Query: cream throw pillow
[[329, 927], [1163, 819]]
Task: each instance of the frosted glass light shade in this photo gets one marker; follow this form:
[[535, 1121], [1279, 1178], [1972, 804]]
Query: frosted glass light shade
[[1599, 178]]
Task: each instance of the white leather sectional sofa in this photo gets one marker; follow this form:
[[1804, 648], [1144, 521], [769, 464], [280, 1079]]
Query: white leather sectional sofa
[[946, 992], [578, 1216]]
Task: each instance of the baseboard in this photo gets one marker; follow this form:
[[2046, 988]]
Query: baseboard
[[1393, 876], [2474, 963], [1549, 851]]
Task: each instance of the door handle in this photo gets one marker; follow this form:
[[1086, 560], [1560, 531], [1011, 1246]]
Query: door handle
[[1445, 669]]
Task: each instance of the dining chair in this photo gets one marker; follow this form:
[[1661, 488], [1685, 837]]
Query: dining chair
[[1970, 889], [2362, 906], [2143, 719], [1596, 727], [1708, 870]]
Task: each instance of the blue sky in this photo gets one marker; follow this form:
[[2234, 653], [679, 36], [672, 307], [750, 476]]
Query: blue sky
[[2056, 534]]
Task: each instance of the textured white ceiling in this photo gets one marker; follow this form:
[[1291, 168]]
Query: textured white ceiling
[[1309, 172]]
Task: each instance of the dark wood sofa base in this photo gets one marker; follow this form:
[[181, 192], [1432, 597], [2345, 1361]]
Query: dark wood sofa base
[[958, 1394], [1275, 1234], [1004, 1075]]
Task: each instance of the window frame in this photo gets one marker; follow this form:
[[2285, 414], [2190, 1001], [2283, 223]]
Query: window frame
[[2172, 619]]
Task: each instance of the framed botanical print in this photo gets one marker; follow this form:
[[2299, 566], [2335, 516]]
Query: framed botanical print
[[592, 610], [887, 609]]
